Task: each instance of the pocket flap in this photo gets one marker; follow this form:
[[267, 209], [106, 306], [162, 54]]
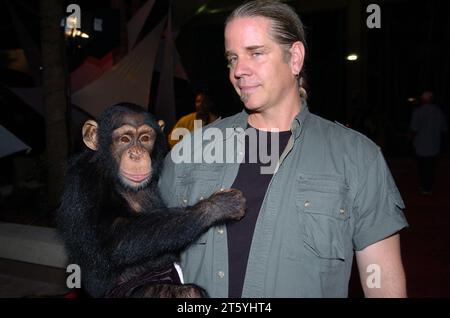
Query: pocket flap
[[327, 204], [323, 194]]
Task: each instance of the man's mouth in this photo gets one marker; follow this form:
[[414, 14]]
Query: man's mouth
[[248, 89]]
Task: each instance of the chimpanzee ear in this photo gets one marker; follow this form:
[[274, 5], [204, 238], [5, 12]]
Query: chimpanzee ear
[[90, 134], [161, 124]]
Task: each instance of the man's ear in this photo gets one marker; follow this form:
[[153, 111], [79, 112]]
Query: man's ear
[[297, 57], [161, 124], [90, 137]]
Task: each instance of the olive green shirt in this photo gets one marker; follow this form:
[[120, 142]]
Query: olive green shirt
[[331, 193]]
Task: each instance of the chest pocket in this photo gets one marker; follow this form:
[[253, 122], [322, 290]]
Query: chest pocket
[[195, 185], [323, 208]]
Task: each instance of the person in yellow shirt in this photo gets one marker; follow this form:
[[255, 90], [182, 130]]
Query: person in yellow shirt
[[204, 111]]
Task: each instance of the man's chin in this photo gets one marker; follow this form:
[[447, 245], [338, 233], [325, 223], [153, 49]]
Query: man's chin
[[252, 107]]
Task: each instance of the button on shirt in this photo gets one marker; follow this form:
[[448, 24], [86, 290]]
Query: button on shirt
[[331, 193]]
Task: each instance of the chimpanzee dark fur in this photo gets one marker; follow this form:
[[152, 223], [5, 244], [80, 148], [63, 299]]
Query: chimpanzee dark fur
[[123, 253]]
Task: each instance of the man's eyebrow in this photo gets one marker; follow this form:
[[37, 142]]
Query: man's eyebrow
[[248, 48], [254, 47]]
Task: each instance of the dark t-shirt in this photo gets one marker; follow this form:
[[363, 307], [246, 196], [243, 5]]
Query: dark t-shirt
[[254, 185]]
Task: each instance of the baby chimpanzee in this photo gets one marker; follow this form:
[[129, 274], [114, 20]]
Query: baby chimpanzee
[[112, 219]]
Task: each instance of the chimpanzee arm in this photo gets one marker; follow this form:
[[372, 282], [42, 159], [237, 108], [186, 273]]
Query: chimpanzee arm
[[150, 236], [76, 216]]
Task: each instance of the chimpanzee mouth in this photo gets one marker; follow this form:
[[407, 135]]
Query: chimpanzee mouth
[[135, 177]]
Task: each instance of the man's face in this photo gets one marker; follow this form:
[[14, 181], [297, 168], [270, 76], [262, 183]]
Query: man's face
[[198, 102], [260, 72]]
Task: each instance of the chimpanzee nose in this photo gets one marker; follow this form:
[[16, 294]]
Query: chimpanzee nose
[[134, 154]]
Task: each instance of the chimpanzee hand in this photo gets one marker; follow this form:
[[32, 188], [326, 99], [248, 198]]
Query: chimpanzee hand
[[230, 201], [222, 206]]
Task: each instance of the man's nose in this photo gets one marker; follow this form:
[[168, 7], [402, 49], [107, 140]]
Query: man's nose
[[241, 68]]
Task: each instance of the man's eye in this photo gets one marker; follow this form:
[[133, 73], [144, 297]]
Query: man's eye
[[232, 61], [125, 139]]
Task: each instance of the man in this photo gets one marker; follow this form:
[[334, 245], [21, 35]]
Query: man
[[204, 112], [428, 123], [329, 193]]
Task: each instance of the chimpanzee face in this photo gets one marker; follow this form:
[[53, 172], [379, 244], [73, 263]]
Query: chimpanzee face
[[131, 144], [131, 148]]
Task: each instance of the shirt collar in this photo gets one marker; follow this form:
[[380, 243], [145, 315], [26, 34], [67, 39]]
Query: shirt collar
[[296, 126], [299, 120]]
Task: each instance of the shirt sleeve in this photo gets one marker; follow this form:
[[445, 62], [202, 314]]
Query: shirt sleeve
[[378, 205]]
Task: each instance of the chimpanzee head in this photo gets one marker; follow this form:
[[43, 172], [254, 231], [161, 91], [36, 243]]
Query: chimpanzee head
[[129, 144]]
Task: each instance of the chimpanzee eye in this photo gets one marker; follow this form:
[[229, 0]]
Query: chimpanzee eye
[[125, 139], [145, 138]]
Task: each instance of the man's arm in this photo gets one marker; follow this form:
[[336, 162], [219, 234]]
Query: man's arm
[[383, 255]]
